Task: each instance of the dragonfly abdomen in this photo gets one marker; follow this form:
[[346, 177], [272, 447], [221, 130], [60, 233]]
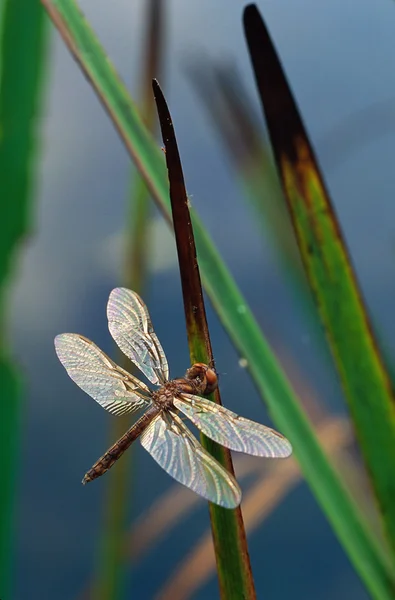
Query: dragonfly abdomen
[[105, 463]]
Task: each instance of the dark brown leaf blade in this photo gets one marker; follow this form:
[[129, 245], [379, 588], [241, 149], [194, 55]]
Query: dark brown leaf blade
[[364, 376], [233, 563]]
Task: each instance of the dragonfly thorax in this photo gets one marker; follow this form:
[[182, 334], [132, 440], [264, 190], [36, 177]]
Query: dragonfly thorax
[[199, 379], [163, 398]]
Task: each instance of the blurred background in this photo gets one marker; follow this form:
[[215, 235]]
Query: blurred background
[[339, 59]]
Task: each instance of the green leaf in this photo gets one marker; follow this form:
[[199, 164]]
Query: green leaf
[[366, 381], [21, 59], [344, 515]]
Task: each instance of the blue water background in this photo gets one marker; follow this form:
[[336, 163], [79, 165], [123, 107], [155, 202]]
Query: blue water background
[[339, 57]]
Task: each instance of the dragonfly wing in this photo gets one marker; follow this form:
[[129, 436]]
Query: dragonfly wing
[[130, 326], [95, 373], [176, 450], [230, 430]]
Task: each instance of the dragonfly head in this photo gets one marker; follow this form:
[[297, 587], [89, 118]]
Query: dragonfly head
[[204, 377]]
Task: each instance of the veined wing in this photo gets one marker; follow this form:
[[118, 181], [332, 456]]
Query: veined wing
[[176, 450], [230, 430], [130, 326], [95, 373]]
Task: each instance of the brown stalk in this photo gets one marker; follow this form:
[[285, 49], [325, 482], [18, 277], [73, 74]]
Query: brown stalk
[[195, 313], [136, 255], [233, 562]]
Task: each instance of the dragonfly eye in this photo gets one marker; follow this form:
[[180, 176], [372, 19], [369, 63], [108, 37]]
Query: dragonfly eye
[[206, 376], [212, 381]]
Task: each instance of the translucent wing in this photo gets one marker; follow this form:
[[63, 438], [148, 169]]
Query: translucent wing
[[175, 449], [130, 326], [230, 430], [95, 373]]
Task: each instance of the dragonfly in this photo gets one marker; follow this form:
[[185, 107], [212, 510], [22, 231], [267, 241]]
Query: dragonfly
[[161, 428]]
